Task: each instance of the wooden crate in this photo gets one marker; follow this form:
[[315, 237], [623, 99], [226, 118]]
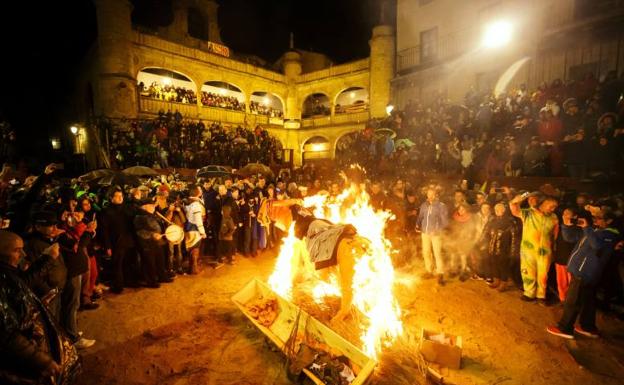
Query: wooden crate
[[283, 326], [447, 355]]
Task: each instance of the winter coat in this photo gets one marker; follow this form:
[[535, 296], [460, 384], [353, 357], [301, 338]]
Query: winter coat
[[27, 330], [432, 217], [499, 236], [55, 276], [594, 248], [116, 227], [226, 232]]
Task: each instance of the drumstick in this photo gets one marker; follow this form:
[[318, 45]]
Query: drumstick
[[165, 219]]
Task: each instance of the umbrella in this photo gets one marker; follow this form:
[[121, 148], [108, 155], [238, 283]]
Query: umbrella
[[255, 169], [140, 171], [404, 142], [213, 171], [120, 179], [385, 132], [95, 174]]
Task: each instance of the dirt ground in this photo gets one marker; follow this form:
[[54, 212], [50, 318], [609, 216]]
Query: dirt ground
[[189, 332]]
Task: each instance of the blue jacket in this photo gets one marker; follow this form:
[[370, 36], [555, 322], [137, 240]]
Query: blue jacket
[[592, 252], [432, 217]]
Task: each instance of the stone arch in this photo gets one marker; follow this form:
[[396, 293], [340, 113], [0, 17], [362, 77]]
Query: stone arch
[[162, 77], [316, 147], [261, 96], [351, 99], [344, 135], [224, 88], [316, 104]]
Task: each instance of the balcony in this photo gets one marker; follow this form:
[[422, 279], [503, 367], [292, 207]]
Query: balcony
[[447, 48], [342, 69], [338, 119]]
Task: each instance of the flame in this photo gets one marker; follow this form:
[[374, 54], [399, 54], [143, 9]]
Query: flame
[[373, 274]]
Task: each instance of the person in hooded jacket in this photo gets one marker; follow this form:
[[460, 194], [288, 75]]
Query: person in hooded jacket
[[594, 247]]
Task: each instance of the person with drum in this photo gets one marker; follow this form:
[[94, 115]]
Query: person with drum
[[151, 239], [173, 218]]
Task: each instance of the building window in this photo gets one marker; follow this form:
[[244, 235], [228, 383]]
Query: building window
[[429, 45]]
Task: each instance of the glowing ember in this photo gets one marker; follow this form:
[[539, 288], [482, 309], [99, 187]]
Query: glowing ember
[[374, 274]]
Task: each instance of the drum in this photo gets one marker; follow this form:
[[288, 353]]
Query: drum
[[174, 234]]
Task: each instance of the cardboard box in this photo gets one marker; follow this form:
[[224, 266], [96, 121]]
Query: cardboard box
[[443, 349]]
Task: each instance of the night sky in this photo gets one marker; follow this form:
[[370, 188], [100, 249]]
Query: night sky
[[44, 43]]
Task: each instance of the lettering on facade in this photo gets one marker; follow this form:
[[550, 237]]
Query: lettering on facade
[[218, 49]]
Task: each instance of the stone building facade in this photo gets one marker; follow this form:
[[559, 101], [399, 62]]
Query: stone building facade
[[439, 50], [124, 50]]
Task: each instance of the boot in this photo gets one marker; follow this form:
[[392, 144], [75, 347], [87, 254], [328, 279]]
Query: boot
[[495, 283], [195, 261]]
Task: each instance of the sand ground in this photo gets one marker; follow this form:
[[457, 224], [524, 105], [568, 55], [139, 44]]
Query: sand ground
[[189, 332]]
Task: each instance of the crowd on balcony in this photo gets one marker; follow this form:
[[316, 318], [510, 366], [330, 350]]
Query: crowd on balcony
[[210, 99], [172, 141], [263, 109], [559, 129], [168, 93]]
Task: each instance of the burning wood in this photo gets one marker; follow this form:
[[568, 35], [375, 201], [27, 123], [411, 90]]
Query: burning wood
[[363, 275]]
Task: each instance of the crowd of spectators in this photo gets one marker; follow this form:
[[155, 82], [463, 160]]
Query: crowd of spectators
[[263, 109], [82, 240], [172, 141], [572, 129], [168, 93], [210, 99]]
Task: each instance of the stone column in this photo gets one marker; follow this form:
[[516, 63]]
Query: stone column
[[115, 94], [382, 58], [292, 69]]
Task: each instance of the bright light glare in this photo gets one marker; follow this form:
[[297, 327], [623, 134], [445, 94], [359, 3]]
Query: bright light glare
[[166, 81], [222, 91], [352, 95], [389, 109], [497, 34], [73, 129], [266, 101]]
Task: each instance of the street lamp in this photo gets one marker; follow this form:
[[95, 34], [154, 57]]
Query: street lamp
[[389, 109], [497, 34], [74, 130]]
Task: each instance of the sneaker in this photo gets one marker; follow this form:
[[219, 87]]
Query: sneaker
[[527, 299], [495, 283], [441, 281], [217, 265], [586, 333], [463, 277], [476, 277], [84, 343], [555, 331]]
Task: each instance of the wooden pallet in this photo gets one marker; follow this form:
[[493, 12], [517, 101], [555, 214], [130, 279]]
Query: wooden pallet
[[282, 328]]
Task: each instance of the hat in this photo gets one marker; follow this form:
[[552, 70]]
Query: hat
[[548, 189], [145, 201], [569, 102], [45, 218], [606, 115]]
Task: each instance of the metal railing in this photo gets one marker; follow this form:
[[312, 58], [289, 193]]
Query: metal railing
[[447, 47]]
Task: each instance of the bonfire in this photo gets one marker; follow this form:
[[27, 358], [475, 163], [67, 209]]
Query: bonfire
[[373, 280]]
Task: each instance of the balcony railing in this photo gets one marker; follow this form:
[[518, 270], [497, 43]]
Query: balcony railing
[[448, 47], [354, 66], [356, 117], [215, 114]]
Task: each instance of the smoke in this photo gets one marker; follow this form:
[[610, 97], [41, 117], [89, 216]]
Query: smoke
[[508, 75]]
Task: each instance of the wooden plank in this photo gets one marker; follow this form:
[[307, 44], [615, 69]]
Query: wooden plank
[[282, 328]]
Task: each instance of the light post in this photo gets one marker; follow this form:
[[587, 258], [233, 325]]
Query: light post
[[497, 34]]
